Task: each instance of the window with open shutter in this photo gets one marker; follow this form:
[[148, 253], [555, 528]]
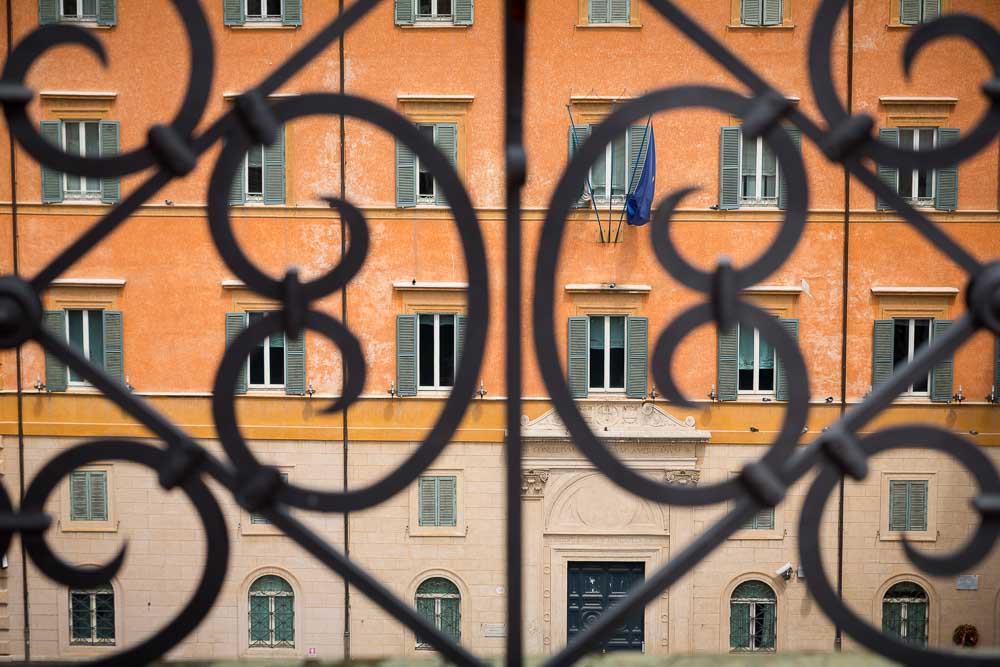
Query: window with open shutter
[[727, 360], [637, 357], [578, 342], [729, 168], [577, 135], [235, 324]]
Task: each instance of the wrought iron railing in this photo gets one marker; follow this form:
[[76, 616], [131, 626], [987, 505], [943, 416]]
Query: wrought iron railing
[[173, 151]]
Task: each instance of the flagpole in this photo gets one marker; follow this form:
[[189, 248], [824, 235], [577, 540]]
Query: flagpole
[[572, 131], [635, 167]]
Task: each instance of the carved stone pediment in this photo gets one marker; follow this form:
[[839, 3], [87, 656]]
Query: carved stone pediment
[[617, 420]]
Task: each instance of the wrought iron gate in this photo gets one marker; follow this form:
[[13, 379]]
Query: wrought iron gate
[[173, 150]]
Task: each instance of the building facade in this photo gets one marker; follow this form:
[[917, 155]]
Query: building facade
[[155, 306]]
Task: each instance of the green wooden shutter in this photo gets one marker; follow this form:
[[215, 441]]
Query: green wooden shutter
[[996, 368], [52, 180], [888, 175], [446, 139], [292, 13], [619, 11], [274, 170], [235, 323], [295, 365], [795, 134], [48, 11], [882, 352], [427, 499], [451, 618], [98, 495], [404, 12], [943, 372], [238, 189], [406, 355], [637, 362], [446, 501], [107, 12], [791, 327], [578, 357], [55, 370], [739, 625], [917, 505], [750, 12], [898, 504], [577, 135], [638, 143], [765, 519], [461, 324], [232, 12], [932, 10], [79, 507], [260, 519], [727, 365], [909, 12], [729, 168], [598, 11], [406, 176], [110, 186], [772, 12], [114, 362], [464, 12], [946, 188]]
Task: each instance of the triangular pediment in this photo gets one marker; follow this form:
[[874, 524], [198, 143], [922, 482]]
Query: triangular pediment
[[616, 420]]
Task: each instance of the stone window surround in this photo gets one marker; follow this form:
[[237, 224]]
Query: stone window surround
[[782, 620], [467, 618], [460, 529], [933, 604], [244, 650], [929, 535], [109, 525]]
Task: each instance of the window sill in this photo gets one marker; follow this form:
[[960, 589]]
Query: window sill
[[756, 534], [435, 25], [432, 393], [740, 26], [92, 25], [438, 531], [264, 25], [899, 26], [909, 535], [88, 527], [258, 529], [78, 202], [609, 26]]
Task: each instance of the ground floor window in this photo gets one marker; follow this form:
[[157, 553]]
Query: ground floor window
[[752, 617], [92, 616], [439, 601], [904, 613], [272, 613]]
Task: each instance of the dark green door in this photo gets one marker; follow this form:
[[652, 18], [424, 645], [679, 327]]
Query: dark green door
[[592, 588]]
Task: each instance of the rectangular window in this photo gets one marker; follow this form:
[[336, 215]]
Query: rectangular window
[[758, 173], [907, 505], [434, 10], [266, 365], [88, 492], [92, 617], [260, 519], [85, 333], [263, 10], [917, 185], [600, 12], [437, 501], [436, 350], [255, 174], [425, 182], [762, 520], [610, 167], [79, 10], [607, 352], [82, 138], [756, 363], [909, 335]]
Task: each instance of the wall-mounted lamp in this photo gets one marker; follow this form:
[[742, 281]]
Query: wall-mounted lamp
[[712, 396], [39, 385], [392, 389], [481, 392], [754, 429], [310, 390], [960, 396]]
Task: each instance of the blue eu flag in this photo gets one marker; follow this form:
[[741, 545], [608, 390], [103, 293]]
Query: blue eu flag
[[640, 200]]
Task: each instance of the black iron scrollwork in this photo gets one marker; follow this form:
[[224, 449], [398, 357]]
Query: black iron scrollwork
[[173, 150]]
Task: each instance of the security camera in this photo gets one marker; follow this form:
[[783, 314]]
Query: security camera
[[785, 571]]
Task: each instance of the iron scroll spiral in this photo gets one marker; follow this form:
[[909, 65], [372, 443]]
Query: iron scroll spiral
[[173, 150]]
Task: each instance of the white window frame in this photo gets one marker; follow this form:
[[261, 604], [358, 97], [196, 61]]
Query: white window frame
[[267, 358], [82, 194], [79, 16], [607, 389], [433, 16], [437, 386], [910, 349], [756, 391], [422, 199], [437, 597], [752, 604], [914, 174], [758, 199], [86, 342], [92, 594], [254, 196], [263, 18], [608, 171]]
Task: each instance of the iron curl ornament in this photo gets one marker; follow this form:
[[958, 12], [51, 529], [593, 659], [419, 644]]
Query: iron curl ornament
[[173, 149]]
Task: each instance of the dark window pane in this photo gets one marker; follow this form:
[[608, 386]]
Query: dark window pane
[[253, 7], [924, 183], [90, 8], [92, 148], [921, 333], [906, 183], [95, 329], [73, 147], [75, 319], [597, 369], [277, 355], [617, 371], [69, 7], [274, 7], [424, 7], [425, 354], [447, 349], [746, 379], [444, 8], [105, 615], [257, 365], [900, 343], [79, 605], [765, 378], [921, 384], [255, 180]]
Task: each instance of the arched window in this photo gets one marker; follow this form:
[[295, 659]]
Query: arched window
[[272, 613], [92, 616], [439, 601], [752, 617], [904, 613]]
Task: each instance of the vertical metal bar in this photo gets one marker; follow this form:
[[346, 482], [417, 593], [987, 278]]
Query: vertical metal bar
[[514, 47], [345, 448]]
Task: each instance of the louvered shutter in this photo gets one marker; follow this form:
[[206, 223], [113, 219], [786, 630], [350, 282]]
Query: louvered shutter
[[887, 174], [110, 186], [882, 352], [274, 170], [98, 495], [932, 10], [619, 11], [107, 12], [404, 12], [447, 500], [765, 519], [55, 370], [406, 355], [619, 176], [637, 362], [772, 12], [728, 362], [729, 168], [260, 519], [750, 12], [295, 365], [638, 143], [232, 12], [79, 505], [406, 176], [238, 188], [996, 369], [235, 323], [791, 327], [114, 361], [292, 12], [909, 11], [52, 180], [917, 510], [598, 11], [427, 510], [446, 139], [578, 343], [943, 371], [48, 11], [461, 324], [577, 135], [795, 134], [946, 188], [739, 625], [898, 504], [464, 12]]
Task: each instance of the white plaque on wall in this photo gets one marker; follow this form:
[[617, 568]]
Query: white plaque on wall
[[967, 582], [494, 630]]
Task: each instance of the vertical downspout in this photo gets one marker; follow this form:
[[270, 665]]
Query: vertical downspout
[[17, 357], [343, 311], [838, 636]]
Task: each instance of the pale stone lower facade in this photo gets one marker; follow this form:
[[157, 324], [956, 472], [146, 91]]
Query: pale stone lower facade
[[572, 514]]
